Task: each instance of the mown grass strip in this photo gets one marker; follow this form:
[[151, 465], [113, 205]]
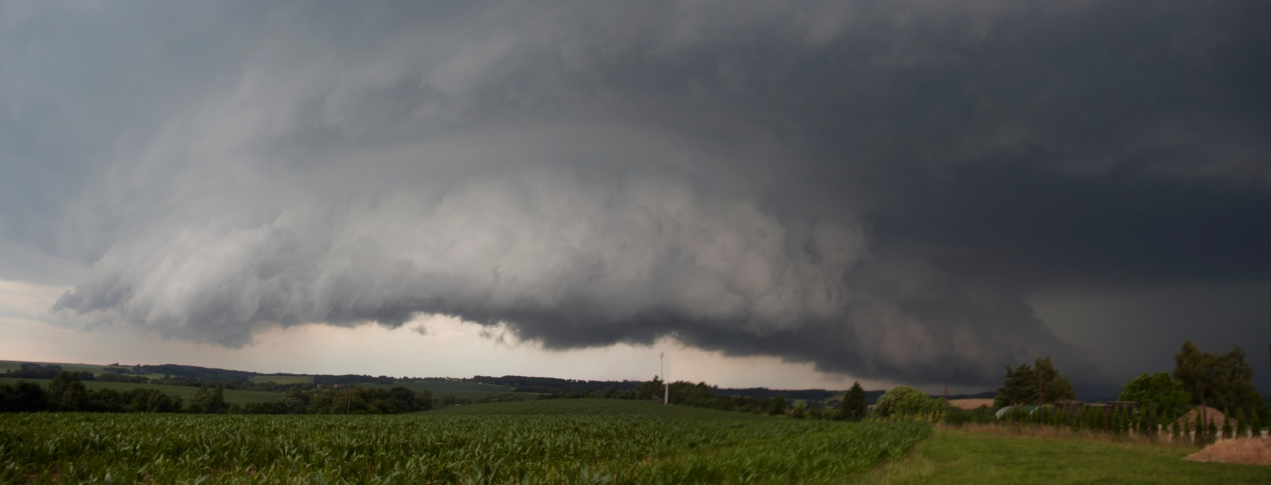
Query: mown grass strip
[[1004, 456]]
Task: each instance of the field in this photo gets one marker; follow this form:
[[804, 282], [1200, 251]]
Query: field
[[96, 369], [970, 404], [232, 396], [15, 365], [557, 441], [597, 407], [1003, 456], [438, 387], [462, 389], [284, 380]]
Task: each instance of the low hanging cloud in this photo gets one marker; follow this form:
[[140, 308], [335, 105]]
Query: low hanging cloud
[[872, 188], [591, 256], [565, 260]]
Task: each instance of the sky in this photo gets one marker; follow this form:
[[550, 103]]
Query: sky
[[781, 194]]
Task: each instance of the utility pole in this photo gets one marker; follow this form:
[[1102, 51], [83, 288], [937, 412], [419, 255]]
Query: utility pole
[[666, 387], [666, 391]]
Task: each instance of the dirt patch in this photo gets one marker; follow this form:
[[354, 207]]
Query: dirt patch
[[1245, 451], [970, 404]]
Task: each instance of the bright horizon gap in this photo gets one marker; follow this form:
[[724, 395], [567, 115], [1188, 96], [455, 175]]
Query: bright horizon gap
[[443, 349]]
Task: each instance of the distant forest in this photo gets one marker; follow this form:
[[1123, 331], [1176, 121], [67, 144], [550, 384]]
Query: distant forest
[[570, 387], [195, 376], [352, 393]]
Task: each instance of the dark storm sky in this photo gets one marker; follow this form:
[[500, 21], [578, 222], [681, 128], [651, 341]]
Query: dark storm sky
[[919, 192]]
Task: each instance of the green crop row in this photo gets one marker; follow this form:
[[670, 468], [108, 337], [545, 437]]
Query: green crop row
[[421, 448]]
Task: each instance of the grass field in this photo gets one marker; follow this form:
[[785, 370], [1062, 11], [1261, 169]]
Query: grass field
[[232, 396], [438, 387], [96, 369], [596, 407], [461, 389], [556, 441], [1004, 456], [284, 380], [15, 365]]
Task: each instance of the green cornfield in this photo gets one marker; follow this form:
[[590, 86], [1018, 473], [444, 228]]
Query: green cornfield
[[440, 448]]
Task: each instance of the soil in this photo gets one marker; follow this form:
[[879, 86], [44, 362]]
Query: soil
[[970, 404], [1245, 451], [1212, 415]]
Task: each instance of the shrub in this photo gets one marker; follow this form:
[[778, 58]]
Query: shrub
[[907, 403]]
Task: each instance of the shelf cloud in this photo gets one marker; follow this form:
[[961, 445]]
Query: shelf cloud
[[880, 189]]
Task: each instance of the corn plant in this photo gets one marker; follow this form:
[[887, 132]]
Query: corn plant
[[423, 448]]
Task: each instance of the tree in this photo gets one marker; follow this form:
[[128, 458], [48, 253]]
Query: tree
[[1256, 425], [777, 406], [1212, 380], [650, 390], [404, 400], [1020, 387], [208, 401], [216, 400], [1160, 391], [853, 408], [67, 393], [158, 402], [905, 401], [1021, 384], [21, 397], [815, 412], [1242, 424], [1054, 385], [423, 400]]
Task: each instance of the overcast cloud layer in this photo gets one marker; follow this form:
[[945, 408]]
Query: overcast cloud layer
[[891, 190]]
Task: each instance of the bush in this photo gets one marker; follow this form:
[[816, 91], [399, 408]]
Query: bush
[[907, 403]]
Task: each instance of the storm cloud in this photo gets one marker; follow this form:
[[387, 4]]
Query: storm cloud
[[880, 189]]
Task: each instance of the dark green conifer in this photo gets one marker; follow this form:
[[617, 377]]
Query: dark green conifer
[[1256, 425], [1226, 425], [1242, 427]]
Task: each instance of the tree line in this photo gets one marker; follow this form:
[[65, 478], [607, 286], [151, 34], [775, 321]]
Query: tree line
[[1152, 404], [66, 392], [703, 395], [1220, 381], [173, 375]]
